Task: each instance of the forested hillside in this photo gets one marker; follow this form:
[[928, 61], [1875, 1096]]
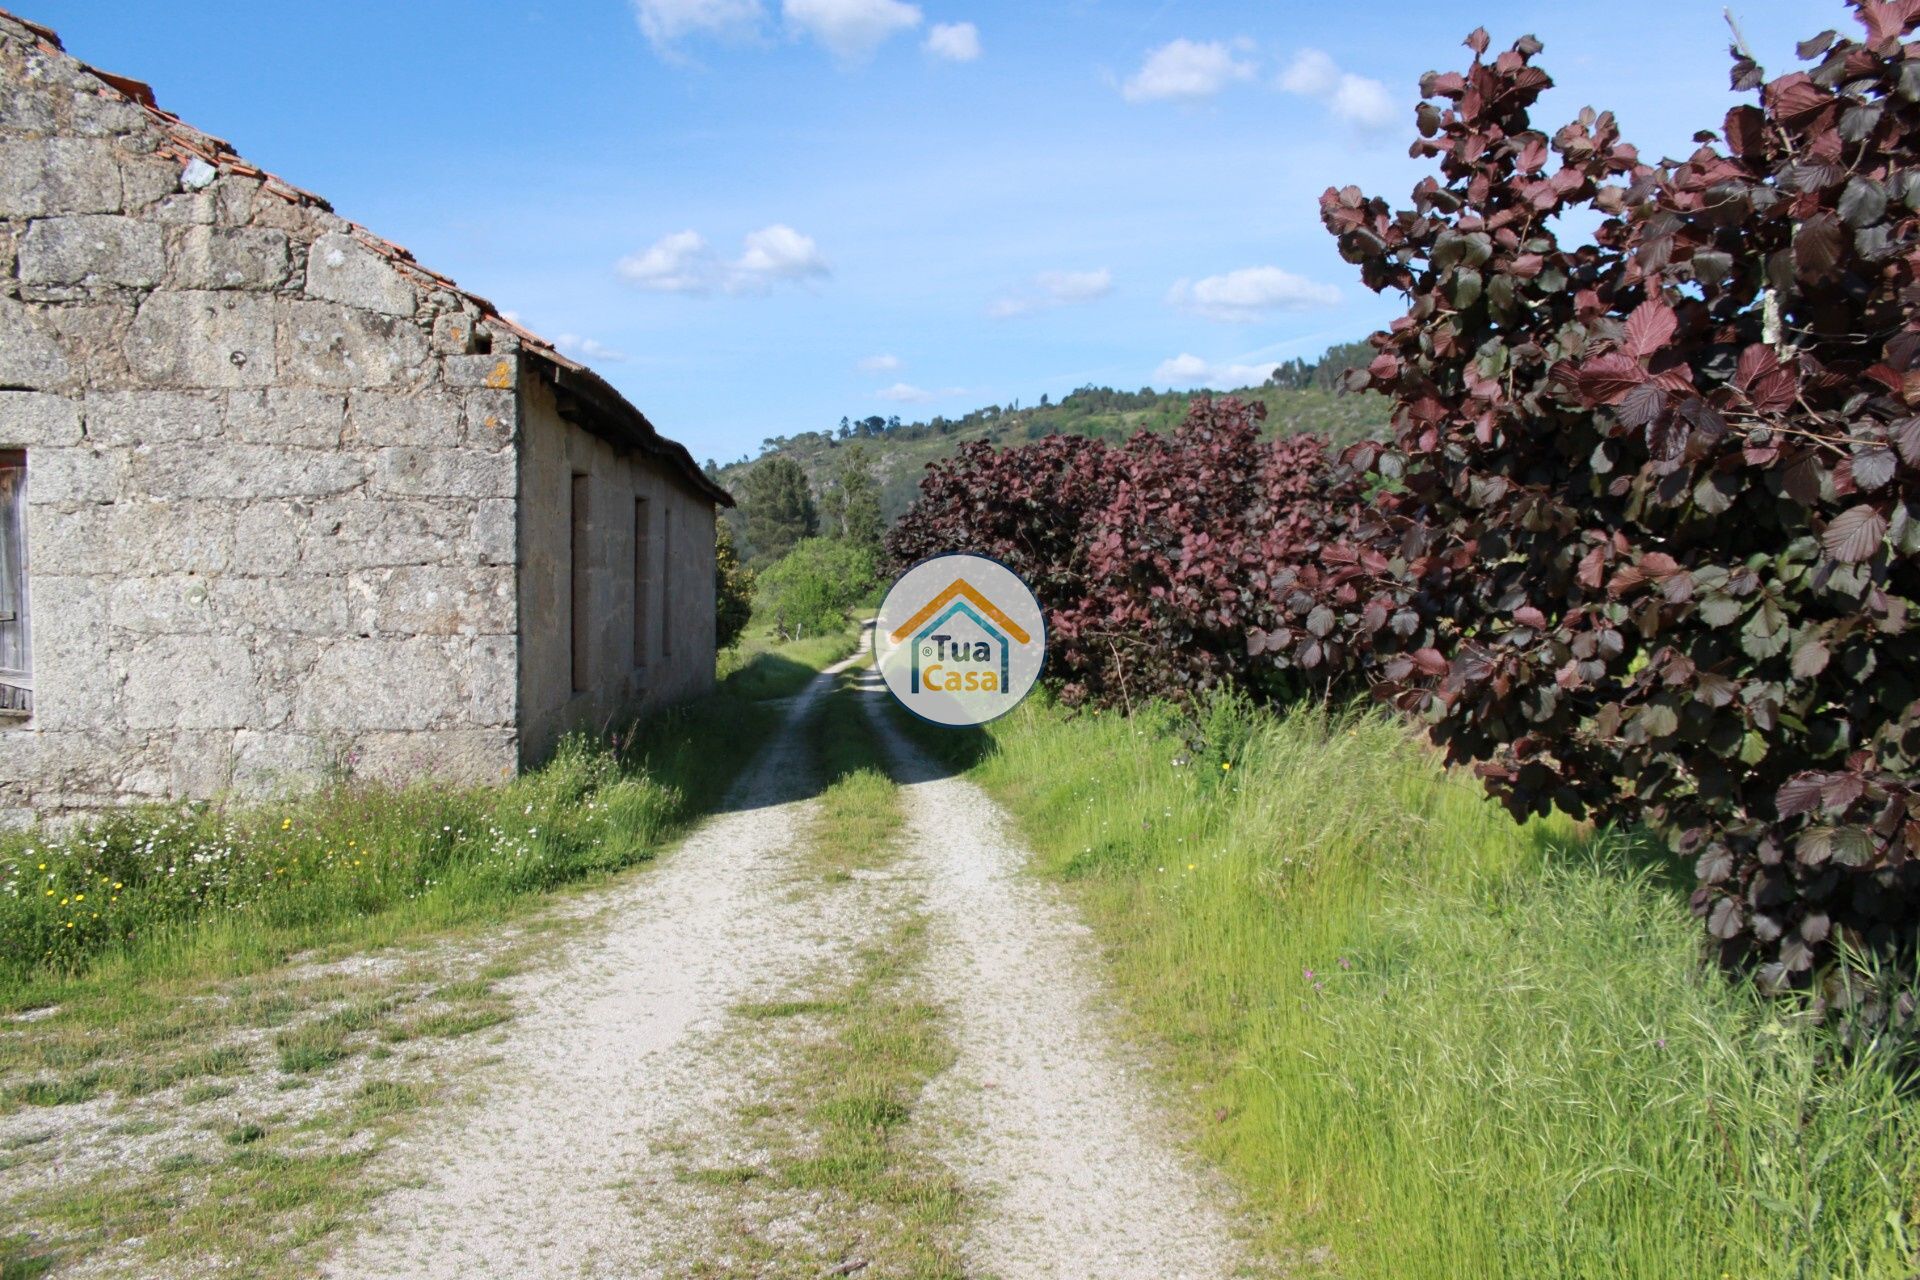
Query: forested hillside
[[1301, 396]]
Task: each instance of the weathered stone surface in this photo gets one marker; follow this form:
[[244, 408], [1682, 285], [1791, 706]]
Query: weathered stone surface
[[463, 757], [210, 257], [146, 180], [341, 269], [367, 684], [199, 338], [92, 249], [434, 600], [493, 419], [492, 679], [269, 763], [428, 419], [324, 344], [29, 354], [494, 539], [291, 416], [77, 475], [298, 603], [31, 419], [267, 535], [200, 765], [453, 334], [495, 372], [196, 682], [454, 473], [45, 176], [75, 682], [366, 532], [152, 417], [133, 536], [244, 471]]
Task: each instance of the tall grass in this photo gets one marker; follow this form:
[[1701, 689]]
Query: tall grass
[[1433, 1043], [763, 666], [215, 890]]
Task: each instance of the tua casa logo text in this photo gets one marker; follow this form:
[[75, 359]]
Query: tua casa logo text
[[960, 639]]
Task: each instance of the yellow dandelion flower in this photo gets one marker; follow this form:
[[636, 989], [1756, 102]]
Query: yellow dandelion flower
[[69, 924], [43, 866], [1226, 766], [118, 885], [285, 823], [79, 897]]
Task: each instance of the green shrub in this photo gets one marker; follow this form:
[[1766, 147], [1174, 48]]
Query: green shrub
[[810, 589]]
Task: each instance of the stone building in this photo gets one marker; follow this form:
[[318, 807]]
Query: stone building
[[278, 502]]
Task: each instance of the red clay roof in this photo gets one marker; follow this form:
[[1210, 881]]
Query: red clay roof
[[186, 143]]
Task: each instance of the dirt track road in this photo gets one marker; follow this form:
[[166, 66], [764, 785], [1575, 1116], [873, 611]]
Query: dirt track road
[[624, 1064]]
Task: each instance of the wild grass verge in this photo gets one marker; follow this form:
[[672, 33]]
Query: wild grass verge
[[1428, 1042], [763, 666], [172, 891]]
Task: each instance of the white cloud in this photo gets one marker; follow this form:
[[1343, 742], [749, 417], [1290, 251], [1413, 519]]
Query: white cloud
[[850, 29], [955, 41], [907, 393], [1054, 289], [685, 263], [1359, 101], [587, 349], [679, 263], [665, 22], [1186, 70], [1186, 370], [1311, 74], [1250, 293], [776, 253], [880, 364]]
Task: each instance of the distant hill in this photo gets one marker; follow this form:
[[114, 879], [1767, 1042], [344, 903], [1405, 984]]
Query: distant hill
[[1302, 397]]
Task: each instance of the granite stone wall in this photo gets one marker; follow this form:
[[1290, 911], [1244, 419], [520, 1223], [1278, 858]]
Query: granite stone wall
[[271, 474]]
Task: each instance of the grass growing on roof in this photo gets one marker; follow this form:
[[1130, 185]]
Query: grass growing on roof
[[1435, 1042]]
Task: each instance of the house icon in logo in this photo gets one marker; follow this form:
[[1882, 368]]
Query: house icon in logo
[[960, 597]]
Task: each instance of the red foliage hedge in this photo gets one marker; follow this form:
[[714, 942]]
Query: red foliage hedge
[[1650, 549]]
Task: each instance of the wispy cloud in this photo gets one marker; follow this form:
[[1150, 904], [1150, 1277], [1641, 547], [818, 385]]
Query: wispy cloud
[[1052, 289], [685, 263], [1359, 101], [1186, 370], [588, 349], [907, 393], [954, 41], [1250, 293], [880, 364], [1187, 71], [667, 22], [850, 29]]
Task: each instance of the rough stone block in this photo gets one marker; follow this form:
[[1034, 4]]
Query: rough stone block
[[152, 417], [324, 344], [75, 681], [30, 355], [425, 420], [434, 600], [192, 208], [162, 604], [495, 531], [453, 334], [450, 473], [200, 765], [341, 269], [210, 257], [196, 682], [494, 373], [364, 532], [77, 475], [364, 684], [492, 674], [463, 757], [197, 338], [30, 419], [299, 604], [92, 250], [40, 177], [493, 419], [293, 416], [134, 535], [244, 471], [267, 536], [269, 763], [146, 180]]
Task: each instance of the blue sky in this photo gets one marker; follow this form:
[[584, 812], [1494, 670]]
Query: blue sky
[[755, 216]]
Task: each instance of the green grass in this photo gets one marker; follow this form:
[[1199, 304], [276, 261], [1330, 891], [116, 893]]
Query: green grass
[[762, 666], [1428, 1042], [859, 813], [167, 892]]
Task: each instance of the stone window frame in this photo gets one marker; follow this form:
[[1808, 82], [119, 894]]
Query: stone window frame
[[16, 628]]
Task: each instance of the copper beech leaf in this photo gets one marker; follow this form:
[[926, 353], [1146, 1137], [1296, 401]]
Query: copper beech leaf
[[1854, 535]]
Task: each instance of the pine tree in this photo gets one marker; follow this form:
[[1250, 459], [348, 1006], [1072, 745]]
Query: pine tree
[[778, 508]]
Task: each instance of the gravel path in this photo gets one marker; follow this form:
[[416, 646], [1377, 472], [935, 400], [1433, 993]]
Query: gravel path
[[566, 1167]]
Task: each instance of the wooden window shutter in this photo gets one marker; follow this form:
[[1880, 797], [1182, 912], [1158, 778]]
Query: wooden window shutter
[[16, 658]]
